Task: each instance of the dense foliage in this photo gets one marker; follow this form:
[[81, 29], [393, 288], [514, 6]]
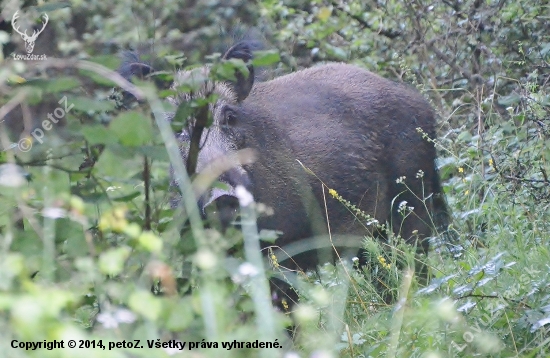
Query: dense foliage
[[91, 250]]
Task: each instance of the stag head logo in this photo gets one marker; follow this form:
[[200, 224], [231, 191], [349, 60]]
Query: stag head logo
[[29, 40]]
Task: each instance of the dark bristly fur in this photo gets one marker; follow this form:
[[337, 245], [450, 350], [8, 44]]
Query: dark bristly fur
[[355, 130]]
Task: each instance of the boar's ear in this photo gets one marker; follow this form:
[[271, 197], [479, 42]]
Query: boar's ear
[[133, 66], [243, 85], [135, 69], [140, 70]]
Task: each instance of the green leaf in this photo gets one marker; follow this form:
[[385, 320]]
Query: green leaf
[[150, 242], [167, 93], [71, 235], [144, 303], [193, 81], [85, 104], [109, 163], [225, 71], [29, 311], [52, 6], [99, 135], [132, 129], [509, 100], [28, 243], [112, 262], [180, 315], [11, 266], [228, 68], [154, 152], [269, 235], [465, 136], [55, 85], [183, 112], [265, 58], [128, 197]]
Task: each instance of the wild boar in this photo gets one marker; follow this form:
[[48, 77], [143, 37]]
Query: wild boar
[[362, 136]]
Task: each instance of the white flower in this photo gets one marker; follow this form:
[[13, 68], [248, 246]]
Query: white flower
[[321, 354], [125, 316], [244, 196], [291, 355], [107, 320], [54, 213], [11, 175], [173, 350], [112, 319], [247, 269]]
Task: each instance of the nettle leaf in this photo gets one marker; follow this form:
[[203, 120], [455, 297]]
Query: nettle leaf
[[193, 81], [265, 58], [465, 136], [109, 163], [115, 157], [509, 100], [132, 129], [183, 112], [227, 69], [99, 135]]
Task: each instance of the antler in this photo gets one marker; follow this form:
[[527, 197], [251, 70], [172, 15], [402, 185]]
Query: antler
[[35, 33], [24, 34], [15, 17]]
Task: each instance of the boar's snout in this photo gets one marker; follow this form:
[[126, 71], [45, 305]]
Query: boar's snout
[[222, 203], [222, 206]]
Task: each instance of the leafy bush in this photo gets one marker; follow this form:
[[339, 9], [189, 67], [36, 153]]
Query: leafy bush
[[90, 249]]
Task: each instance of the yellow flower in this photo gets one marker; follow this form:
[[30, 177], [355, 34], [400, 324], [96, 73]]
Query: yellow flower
[[461, 170], [491, 162], [274, 260], [383, 262], [333, 193], [285, 304]]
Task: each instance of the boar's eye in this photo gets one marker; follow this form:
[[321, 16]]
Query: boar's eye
[[229, 116]]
